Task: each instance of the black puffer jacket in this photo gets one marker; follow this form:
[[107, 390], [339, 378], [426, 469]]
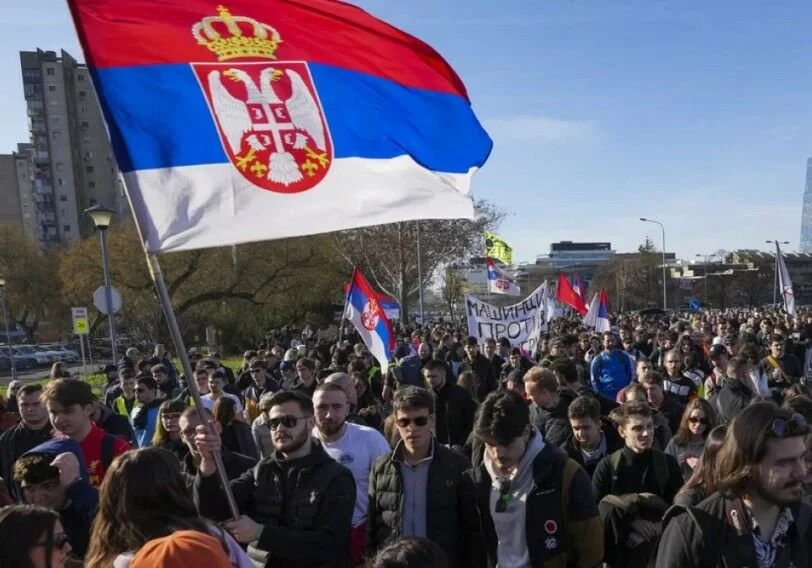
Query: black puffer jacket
[[455, 411], [305, 506], [444, 504]]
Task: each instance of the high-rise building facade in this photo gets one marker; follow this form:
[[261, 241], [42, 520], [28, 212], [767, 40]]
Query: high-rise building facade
[[71, 161], [806, 214]]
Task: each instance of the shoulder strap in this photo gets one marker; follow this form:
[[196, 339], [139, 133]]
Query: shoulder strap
[[107, 448], [804, 516], [660, 470]]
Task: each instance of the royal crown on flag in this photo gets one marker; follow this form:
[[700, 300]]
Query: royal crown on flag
[[225, 36]]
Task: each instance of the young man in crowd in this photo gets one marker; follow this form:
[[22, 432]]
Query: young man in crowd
[[202, 382], [481, 365], [354, 446], [661, 401], [53, 476], [455, 408], [624, 482], [235, 464], [491, 353], [124, 403], [261, 383], [566, 372], [611, 369], [70, 405], [591, 440], [757, 517], [415, 490], [297, 505], [33, 429], [716, 379], [168, 386], [217, 385], [145, 416], [306, 368], [534, 505], [548, 411], [682, 386], [781, 368]]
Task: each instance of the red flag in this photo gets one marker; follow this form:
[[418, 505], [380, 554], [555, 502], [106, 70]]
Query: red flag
[[566, 295]]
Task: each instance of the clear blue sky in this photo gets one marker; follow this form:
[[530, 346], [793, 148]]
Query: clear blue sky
[[695, 113]]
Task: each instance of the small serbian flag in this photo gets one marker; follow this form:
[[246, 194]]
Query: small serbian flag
[[367, 315], [250, 121], [499, 282]]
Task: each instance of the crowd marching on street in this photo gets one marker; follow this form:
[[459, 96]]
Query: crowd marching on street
[[664, 442]]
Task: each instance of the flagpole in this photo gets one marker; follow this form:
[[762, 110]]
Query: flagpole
[[420, 275], [174, 329], [157, 275], [344, 310], [775, 280]]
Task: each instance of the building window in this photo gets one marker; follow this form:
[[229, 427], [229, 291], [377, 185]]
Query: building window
[[63, 198], [66, 228], [89, 169], [93, 201], [49, 71], [60, 181], [55, 119], [85, 124], [80, 77], [89, 155], [82, 93], [57, 135], [83, 109], [52, 88], [59, 166], [91, 184]]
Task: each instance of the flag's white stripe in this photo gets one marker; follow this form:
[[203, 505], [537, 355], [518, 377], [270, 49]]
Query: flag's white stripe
[[371, 340], [212, 205]]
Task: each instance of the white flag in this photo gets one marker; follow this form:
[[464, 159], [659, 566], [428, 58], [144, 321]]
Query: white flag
[[784, 282]]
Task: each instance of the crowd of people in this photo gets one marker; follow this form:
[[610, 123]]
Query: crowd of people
[[668, 442]]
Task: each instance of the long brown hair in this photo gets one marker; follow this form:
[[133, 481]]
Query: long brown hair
[[143, 497], [161, 437], [746, 445], [704, 474], [683, 435]]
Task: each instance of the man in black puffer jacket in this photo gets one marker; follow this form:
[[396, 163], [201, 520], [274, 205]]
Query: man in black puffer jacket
[[416, 489], [455, 408], [297, 505]]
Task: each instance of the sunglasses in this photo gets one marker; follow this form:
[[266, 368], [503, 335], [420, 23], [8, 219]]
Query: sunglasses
[[505, 498], [695, 420], [794, 426], [287, 421], [419, 421]]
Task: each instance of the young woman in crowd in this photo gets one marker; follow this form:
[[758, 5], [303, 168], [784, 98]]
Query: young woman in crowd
[[167, 432], [702, 482], [689, 441], [32, 537], [236, 434], [144, 497]]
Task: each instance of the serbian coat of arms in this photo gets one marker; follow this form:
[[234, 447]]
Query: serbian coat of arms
[[267, 112]]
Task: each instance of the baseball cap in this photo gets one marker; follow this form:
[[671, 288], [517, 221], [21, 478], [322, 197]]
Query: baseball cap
[[182, 549]]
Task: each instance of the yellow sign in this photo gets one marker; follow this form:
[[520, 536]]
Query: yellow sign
[[80, 324], [497, 248]]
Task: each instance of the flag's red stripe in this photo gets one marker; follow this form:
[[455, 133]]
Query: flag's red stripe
[[115, 33]]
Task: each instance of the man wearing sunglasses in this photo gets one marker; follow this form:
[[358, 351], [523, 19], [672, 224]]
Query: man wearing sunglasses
[[757, 516], [297, 505], [415, 490]]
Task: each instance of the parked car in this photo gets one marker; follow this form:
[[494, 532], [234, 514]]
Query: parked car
[[64, 352], [28, 352], [5, 362]]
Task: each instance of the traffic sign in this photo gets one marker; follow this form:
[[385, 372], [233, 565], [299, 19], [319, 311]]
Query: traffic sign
[[79, 317], [694, 304], [100, 299]]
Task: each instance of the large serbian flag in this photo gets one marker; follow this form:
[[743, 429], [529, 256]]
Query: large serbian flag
[[366, 314], [259, 120]]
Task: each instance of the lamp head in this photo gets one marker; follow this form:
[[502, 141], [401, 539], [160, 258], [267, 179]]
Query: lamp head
[[101, 216], [2, 282]]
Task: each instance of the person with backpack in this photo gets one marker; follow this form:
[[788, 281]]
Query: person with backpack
[[534, 504], [611, 369], [70, 405], [634, 487], [757, 517]]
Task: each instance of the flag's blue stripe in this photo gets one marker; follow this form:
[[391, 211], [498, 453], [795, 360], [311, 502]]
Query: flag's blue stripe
[[159, 118]]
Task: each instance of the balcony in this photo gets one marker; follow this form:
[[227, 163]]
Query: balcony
[[41, 156]]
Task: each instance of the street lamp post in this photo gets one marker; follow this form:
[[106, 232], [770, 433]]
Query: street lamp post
[[665, 282], [5, 323], [775, 268], [101, 217]]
